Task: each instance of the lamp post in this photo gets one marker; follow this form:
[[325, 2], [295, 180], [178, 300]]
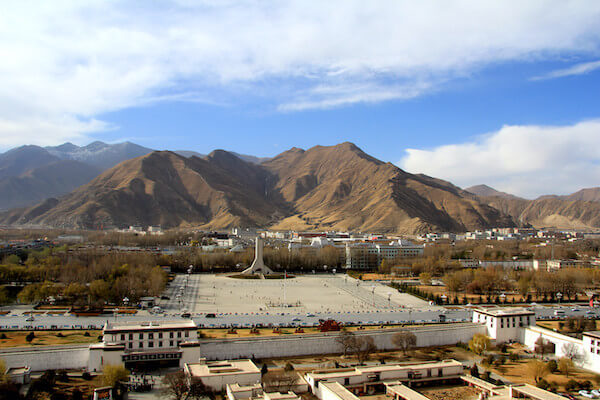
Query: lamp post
[[559, 296], [502, 298]]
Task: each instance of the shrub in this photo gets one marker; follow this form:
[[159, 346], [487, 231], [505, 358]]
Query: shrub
[[86, 376], [513, 357], [475, 371], [62, 376], [571, 385], [30, 336], [86, 334], [59, 334], [3, 336], [552, 366], [585, 385], [543, 384], [504, 348], [288, 367]]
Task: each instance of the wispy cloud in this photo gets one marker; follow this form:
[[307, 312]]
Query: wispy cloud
[[66, 62], [577, 69], [526, 160]]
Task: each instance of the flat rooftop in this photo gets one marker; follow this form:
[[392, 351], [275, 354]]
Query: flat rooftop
[[504, 311], [116, 327], [404, 392], [340, 391], [346, 372], [218, 368]]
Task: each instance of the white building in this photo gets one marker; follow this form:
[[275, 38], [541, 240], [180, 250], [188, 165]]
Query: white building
[[216, 375], [505, 324], [151, 343], [363, 379]]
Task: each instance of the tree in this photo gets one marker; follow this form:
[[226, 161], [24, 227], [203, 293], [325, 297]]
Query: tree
[[404, 340], [364, 347], [475, 371], [114, 374], [479, 343], [3, 377], [280, 381], [537, 369], [175, 385], [425, 278], [565, 366], [571, 351], [346, 340]]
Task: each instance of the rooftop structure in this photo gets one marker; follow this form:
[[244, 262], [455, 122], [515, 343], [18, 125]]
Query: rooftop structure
[[218, 374], [504, 324]]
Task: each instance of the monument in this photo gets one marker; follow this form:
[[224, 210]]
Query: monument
[[258, 266]]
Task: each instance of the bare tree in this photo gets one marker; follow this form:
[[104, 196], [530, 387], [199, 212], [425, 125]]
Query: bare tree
[[404, 340], [363, 348], [346, 340], [571, 351], [280, 381], [176, 387]]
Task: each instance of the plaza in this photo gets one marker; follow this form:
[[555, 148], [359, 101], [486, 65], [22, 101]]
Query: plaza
[[301, 294]]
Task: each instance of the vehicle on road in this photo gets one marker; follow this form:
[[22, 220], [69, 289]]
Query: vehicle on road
[[186, 315], [163, 297], [559, 312], [211, 315], [296, 319], [30, 318]]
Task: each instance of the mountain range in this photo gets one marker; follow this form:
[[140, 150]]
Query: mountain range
[[324, 188]]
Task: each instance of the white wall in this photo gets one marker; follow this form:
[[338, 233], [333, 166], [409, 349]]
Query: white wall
[[39, 359], [299, 345]]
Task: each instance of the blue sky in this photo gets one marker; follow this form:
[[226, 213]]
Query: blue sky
[[498, 92]]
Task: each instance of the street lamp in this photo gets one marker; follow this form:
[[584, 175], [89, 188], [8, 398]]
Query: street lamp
[[559, 296], [503, 298], [125, 301], [443, 298]]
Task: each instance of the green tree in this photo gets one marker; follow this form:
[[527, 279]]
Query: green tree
[[480, 343], [114, 374]]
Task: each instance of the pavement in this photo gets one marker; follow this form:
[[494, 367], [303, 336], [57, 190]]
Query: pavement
[[299, 301]]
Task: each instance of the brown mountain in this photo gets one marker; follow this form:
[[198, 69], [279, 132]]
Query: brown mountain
[[335, 187], [580, 210]]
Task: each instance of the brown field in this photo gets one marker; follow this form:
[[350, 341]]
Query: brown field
[[48, 338]]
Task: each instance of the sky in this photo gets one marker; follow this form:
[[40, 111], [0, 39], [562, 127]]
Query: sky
[[503, 93]]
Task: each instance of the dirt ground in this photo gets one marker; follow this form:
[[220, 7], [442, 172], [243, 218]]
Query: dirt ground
[[48, 338], [224, 333], [450, 393]]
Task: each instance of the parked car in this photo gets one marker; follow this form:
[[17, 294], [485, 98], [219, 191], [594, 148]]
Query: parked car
[[210, 315], [30, 318], [186, 315], [163, 297]]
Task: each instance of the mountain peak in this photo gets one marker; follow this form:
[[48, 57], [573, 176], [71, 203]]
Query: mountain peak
[[486, 191]]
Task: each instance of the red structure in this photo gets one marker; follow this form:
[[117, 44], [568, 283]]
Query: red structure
[[329, 325]]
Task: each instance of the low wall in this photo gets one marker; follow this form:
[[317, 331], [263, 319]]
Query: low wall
[[325, 343], [41, 359]]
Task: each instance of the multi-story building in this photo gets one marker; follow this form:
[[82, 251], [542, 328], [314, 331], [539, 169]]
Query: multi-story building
[[151, 343], [370, 255], [504, 324]]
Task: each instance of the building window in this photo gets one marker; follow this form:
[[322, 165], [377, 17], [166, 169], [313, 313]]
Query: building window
[[141, 345], [171, 343], [160, 344], [150, 344], [179, 334], [151, 335], [160, 335], [130, 345], [346, 381], [141, 336], [187, 334], [131, 336], [171, 335], [123, 337], [440, 372]]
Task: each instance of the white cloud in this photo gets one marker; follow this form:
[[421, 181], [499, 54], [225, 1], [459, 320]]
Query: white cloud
[[528, 160], [577, 69], [72, 61]]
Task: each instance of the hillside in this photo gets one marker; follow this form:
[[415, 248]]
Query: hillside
[[580, 210], [37, 184], [334, 187]]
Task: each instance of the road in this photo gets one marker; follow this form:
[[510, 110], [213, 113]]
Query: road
[[239, 303]]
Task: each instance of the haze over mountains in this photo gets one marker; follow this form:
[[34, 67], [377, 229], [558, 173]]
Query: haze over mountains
[[326, 187]]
